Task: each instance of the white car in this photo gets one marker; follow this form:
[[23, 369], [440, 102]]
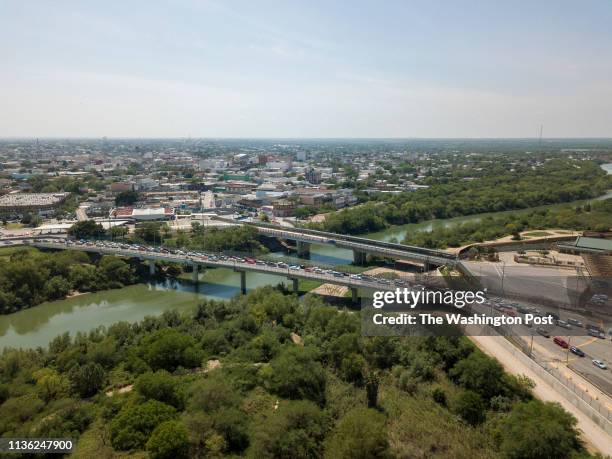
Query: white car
[[599, 364]]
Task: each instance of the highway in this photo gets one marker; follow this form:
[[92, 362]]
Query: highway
[[357, 244], [353, 281], [545, 350]]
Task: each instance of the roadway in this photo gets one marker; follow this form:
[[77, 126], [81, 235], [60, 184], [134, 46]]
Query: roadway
[[357, 244], [353, 281]]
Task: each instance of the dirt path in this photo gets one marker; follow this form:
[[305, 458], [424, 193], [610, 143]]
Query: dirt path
[[594, 437]]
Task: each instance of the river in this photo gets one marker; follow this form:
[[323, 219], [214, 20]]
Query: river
[[38, 325]]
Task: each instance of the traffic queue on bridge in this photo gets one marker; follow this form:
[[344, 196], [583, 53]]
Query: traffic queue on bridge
[[216, 257]]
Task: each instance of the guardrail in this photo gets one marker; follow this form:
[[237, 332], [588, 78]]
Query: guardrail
[[234, 264], [356, 242]]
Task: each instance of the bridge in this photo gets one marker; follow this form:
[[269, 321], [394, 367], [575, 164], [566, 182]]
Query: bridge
[[195, 262], [359, 245]]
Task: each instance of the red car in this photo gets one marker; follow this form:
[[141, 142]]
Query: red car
[[561, 342]]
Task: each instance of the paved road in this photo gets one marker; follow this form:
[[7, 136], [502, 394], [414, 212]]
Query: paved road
[[497, 346], [327, 277]]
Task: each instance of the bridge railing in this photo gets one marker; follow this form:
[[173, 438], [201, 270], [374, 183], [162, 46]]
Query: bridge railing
[[348, 238]]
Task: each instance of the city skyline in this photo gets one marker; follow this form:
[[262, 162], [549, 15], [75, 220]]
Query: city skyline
[[289, 70]]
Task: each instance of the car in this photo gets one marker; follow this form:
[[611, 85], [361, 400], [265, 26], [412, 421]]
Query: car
[[596, 334], [543, 332], [577, 351], [564, 324], [575, 322], [600, 364], [560, 342]]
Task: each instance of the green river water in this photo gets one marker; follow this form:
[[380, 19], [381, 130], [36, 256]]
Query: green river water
[[38, 325]]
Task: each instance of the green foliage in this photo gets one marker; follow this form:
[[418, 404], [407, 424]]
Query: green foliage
[[538, 430], [598, 217], [149, 232], [499, 186], [88, 379], [269, 397], [479, 373], [295, 374], [297, 429], [360, 434], [134, 424], [470, 407], [126, 198], [86, 229], [169, 440], [68, 419], [168, 349], [160, 386], [234, 239], [30, 277]]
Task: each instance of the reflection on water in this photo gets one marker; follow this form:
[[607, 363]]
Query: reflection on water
[[38, 325]]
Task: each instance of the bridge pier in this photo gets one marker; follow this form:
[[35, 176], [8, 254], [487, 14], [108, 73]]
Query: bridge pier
[[359, 258], [354, 295], [296, 284], [194, 273], [243, 288], [303, 249], [152, 267]]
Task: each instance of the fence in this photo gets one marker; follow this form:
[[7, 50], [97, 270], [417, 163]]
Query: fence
[[573, 393]]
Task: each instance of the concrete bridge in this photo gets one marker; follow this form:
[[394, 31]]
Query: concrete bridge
[[359, 245], [195, 262]]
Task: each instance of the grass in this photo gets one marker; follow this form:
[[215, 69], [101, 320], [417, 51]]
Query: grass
[[306, 285], [14, 226]]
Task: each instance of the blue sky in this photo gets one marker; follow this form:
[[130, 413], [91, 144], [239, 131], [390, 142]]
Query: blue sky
[[306, 69]]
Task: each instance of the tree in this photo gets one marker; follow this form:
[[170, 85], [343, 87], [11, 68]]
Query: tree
[[360, 434], [169, 440], [57, 287], [117, 232], [470, 407], [149, 231], [86, 229], [117, 271], [126, 198], [133, 425], [538, 430], [50, 384], [480, 374], [87, 379], [159, 386], [295, 374], [169, 349], [84, 277], [297, 429]]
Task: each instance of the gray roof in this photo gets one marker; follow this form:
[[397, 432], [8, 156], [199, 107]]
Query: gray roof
[[594, 243]]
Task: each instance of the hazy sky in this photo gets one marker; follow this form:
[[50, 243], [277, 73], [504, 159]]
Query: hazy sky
[[311, 68]]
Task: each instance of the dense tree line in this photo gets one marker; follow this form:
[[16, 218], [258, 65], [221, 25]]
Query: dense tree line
[[266, 375], [235, 238], [497, 187], [29, 277], [593, 216]]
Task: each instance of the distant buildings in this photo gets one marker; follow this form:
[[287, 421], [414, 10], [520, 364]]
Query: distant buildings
[[119, 187], [313, 176], [143, 214], [18, 204]]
